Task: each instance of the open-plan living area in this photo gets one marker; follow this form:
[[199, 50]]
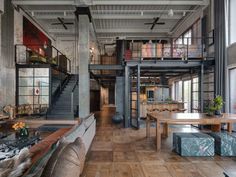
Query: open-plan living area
[[117, 88]]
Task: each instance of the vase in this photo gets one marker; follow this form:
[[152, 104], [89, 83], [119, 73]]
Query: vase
[[23, 133], [218, 112], [117, 118]]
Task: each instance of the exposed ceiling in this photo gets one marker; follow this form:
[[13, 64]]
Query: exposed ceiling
[[112, 18]]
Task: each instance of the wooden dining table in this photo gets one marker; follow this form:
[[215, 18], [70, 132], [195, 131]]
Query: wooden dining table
[[167, 118]]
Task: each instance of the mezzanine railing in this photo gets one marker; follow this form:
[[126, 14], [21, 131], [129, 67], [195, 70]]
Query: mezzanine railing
[[170, 48], [31, 54]]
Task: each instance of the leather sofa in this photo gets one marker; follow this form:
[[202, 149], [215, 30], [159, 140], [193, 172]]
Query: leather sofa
[[67, 161], [63, 153]]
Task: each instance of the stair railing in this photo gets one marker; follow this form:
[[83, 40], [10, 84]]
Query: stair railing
[[72, 96]]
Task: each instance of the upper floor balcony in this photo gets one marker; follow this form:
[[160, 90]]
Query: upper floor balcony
[[39, 54], [170, 49]]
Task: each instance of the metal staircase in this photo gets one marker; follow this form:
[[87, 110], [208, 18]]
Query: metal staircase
[[66, 104]]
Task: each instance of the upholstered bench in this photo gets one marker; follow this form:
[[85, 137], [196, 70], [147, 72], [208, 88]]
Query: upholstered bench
[[193, 144], [225, 144]]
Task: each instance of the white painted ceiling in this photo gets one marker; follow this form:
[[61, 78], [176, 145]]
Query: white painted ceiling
[[112, 18]]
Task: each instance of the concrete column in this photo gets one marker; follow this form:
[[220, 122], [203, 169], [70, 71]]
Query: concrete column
[[119, 95], [7, 65], [83, 55]]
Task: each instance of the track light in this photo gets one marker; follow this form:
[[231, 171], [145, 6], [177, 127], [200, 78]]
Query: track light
[[32, 13], [184, 13], [64, 13], [141, 13]]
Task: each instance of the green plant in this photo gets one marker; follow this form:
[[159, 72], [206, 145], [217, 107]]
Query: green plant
[[215, 105], [218, 103]]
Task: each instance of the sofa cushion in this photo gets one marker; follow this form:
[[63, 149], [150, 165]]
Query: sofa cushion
[[68, 161], [53, 159]]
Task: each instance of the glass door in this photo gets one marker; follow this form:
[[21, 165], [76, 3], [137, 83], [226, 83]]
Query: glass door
[[187, 95]]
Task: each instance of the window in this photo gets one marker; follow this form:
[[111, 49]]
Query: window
[[187, 95], [179, 40], [232, 93], [178, 91], [150, 95], [188, 37], [232, 22], [33, 87], [195, 96]]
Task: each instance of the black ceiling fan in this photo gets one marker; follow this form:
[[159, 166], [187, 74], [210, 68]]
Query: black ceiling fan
[[155, 22], [61, 22]]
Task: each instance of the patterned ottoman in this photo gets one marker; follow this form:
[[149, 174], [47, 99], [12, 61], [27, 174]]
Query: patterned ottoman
[[193, 144], [225, 144]]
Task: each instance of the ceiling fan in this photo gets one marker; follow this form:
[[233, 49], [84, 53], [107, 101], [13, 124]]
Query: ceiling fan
[[61, 22], [155, 22]]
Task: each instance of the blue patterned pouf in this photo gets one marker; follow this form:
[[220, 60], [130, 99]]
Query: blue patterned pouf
[[225, 144], [193, 144]]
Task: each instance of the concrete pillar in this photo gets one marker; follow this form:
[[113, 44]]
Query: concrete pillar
[[7, 65], [119, 95], [83, 56]]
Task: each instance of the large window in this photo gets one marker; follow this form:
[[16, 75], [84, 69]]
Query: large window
[[185, 38], [33, 87], [232, 93], [195, 101], [232, 21], [178, 91], [187, 95], [188, 37]]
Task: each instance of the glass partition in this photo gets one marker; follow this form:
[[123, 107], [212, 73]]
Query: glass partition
[[33, 88]]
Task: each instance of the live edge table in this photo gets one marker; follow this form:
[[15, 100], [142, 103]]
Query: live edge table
[[167, 118]]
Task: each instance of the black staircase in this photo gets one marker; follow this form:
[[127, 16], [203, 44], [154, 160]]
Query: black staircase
[[65, 105]]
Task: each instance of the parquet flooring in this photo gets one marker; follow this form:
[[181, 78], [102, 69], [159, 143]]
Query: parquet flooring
[[119, 152]]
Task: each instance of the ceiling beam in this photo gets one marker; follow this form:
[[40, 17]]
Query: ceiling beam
[[42, 16], [149, 2], [111, 2], [129, 30], [134, 16], [113, 11], [49, 2]]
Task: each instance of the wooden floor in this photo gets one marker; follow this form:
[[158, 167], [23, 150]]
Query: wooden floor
[[119, 152]]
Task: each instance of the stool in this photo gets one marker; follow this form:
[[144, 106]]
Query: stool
[[225, 144], [193, 144]]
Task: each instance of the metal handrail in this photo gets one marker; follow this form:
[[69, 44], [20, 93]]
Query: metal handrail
[[54, 50], [167, 48]]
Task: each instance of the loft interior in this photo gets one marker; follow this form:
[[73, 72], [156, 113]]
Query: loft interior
[[123, 84]]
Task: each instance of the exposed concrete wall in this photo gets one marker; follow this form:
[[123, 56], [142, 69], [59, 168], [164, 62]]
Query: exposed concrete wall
[[67, 47], [7, 66]]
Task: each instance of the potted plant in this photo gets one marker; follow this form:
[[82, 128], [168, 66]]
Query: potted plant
[[21, 129], [215, 106], [218, 104]]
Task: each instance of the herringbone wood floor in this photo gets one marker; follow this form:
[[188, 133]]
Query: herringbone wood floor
[[119, 152]]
